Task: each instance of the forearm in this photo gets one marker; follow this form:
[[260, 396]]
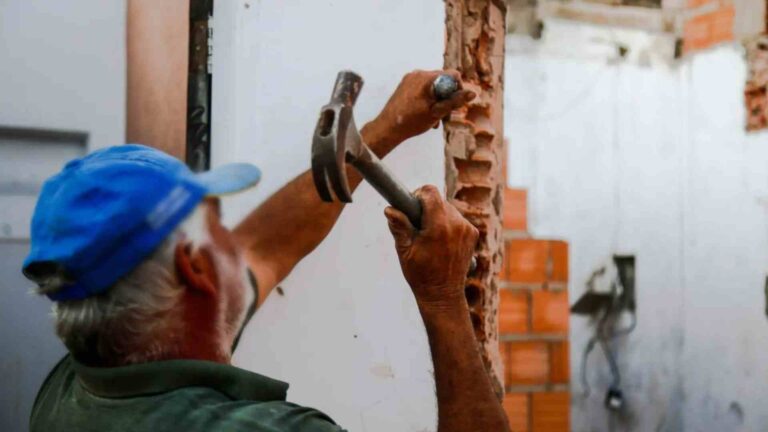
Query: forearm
[[294, 220], [465, 398]]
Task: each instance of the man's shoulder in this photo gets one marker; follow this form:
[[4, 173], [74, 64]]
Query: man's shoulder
[[56, 380], [62, 404], [255, 416]]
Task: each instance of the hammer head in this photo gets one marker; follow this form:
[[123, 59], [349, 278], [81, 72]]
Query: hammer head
[[336, 139]]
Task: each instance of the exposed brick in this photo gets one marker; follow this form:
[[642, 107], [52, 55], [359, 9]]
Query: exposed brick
[[515, 209], [517, 407], [528, 363], [559, 363], [756, 101], [696, 33], [722, 24], [474, 46], [708, 29], [504, 351], [558, 261], [550, 311], [513, 312], [755, 93], [535, 262], [526, 261], [550, 412]]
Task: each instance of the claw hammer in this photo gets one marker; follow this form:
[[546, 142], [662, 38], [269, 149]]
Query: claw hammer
[[337, 141]]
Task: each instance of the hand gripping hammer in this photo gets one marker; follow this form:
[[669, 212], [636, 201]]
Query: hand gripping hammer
[[337, 141]]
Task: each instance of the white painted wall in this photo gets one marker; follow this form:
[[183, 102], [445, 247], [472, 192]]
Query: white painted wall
[[62, 66], [655, 162], [346, 335]]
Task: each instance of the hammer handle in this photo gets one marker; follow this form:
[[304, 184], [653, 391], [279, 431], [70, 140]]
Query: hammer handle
[[377, 174]]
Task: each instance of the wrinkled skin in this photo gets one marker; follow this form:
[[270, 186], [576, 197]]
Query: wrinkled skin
[[292, 222], [412, 109], [436, 258]]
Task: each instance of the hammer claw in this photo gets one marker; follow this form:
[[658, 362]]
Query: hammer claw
[[321, 182], [338, 179]]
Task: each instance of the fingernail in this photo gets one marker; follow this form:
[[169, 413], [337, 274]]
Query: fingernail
[[470, 95]]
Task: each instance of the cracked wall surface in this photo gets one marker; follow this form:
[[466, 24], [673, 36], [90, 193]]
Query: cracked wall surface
[[474, 156]]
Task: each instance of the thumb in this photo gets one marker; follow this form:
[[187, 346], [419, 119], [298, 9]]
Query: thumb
[[401, 229], [457, 100]]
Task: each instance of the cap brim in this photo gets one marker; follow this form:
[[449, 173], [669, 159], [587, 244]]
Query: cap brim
[[230, 178]]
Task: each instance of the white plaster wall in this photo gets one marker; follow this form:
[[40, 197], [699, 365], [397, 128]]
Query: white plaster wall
[[346, 335], [62, 66], [655, 162]]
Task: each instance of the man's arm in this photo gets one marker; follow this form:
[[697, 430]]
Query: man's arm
[[435, 261], [293, 221]]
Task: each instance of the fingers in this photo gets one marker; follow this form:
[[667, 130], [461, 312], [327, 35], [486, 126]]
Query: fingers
[[457, 100], [401, 228], [433, 208]]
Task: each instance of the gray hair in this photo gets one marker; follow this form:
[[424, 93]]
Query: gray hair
[[137, 319]]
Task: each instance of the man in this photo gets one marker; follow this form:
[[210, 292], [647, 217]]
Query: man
[[151, 292]]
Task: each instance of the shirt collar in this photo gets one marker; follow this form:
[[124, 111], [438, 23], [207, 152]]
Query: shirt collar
[[164, 376]]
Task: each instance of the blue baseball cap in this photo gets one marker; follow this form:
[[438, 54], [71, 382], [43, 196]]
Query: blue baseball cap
[[103, 214]]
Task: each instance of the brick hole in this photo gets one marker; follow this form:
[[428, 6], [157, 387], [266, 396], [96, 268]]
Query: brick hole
[[483, 265], [474, 294], [474, 195], [479, 115], [471, 171], [483, 139], [477, 324]]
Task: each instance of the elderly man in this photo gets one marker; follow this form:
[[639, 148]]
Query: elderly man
[[151, 292]]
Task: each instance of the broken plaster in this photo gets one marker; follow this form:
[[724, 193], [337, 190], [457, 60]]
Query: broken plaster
[[475, 31]]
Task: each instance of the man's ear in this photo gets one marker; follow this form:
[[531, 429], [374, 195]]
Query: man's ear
[[195, 269]]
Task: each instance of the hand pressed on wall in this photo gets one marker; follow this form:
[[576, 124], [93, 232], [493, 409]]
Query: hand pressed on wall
[[413, 109], [435, 259]]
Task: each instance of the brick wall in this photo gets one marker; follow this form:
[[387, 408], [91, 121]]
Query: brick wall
[[708, 23], [533, 324]]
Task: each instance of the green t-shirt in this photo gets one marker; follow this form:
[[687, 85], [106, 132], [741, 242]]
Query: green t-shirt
[[174, 395]]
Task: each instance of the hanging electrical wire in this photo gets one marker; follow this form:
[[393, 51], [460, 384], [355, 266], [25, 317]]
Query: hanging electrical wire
[[606, 333]]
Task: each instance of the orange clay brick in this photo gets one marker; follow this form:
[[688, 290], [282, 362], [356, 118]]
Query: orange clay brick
[[526, 261], [558, 256], [559, 363], [515, 209], [517, 407], [504, 350], [706, 30], [527, 363], [550, 412], [550, 311], [513, 312]]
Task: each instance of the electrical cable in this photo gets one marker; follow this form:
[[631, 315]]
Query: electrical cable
[[605, 334]]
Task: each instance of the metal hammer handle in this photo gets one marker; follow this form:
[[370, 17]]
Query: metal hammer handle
[[378, 176]]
